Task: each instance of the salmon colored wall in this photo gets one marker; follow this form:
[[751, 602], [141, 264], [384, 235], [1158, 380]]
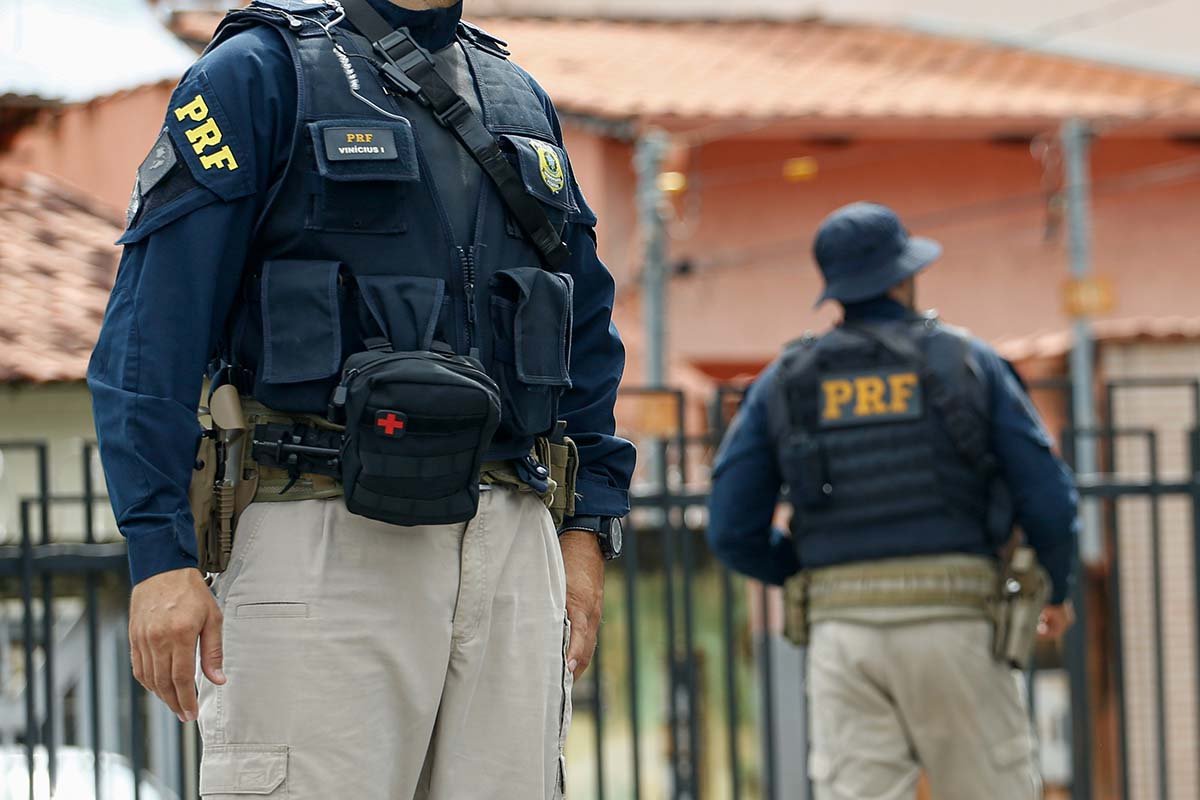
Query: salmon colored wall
[[747, 234], [604, 170], [97, 146]]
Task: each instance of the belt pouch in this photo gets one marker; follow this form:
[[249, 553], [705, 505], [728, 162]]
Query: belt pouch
[[417, 427]]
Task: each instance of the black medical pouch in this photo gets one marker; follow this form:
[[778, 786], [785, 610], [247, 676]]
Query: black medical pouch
[[417, 427]]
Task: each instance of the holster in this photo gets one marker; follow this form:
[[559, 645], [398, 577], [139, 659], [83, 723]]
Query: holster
[[1022, 594], [559, 453], [795, 609], [218, 494]]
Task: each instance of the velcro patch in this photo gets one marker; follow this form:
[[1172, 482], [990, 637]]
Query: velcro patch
[[161, 160], [390, 424], [857, 398], [360, 144], [156, 166]]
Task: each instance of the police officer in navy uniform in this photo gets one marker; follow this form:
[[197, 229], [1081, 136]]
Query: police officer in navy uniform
[[907, 448], [333, 180]]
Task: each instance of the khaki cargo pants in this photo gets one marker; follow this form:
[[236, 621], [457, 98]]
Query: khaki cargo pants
[[891, 696], [375, 662]]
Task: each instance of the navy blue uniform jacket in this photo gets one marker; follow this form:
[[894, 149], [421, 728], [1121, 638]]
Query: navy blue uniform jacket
[[747, 480], [175, 288]]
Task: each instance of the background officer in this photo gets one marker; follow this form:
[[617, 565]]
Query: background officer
[[295, 205], [907, 446]]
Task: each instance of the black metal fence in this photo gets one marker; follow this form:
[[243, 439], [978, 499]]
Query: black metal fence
[[692, 693]]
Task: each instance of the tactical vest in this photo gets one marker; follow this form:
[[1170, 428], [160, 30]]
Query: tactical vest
[[357, 239], [882, 436]]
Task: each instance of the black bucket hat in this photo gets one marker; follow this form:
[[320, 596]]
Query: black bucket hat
[[863, 250]]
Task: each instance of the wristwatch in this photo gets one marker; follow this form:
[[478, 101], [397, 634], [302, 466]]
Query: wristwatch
[[606, 529]]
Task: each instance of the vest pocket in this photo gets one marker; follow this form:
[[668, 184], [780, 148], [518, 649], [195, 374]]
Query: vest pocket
[[531, 314], [301, 321], [407, 308], [364, 173]]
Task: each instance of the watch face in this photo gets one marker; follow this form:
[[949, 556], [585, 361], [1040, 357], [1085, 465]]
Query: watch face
[[616, 539]]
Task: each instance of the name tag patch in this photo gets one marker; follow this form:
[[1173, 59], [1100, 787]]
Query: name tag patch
[[870, 397], [360, 144]]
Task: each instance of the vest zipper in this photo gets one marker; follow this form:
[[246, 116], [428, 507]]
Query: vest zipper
[[466, 255]]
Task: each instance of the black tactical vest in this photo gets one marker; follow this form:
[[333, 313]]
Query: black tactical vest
[[881, 431], [360, 237]]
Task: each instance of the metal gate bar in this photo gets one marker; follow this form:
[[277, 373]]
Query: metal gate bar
[[684, 567], [731, 701], [630, 559], [91, 602]]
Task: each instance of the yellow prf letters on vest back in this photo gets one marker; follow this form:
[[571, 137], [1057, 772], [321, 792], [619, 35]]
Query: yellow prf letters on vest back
[[866, 397], [205, 135]]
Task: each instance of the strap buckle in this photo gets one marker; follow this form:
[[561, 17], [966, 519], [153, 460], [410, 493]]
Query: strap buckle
[[398, 80], [397, 70], [451, 115]]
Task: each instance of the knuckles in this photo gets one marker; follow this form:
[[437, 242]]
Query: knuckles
[[170, 631]]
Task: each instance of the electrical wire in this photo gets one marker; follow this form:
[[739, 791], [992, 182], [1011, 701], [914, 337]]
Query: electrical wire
[[1142, 177]]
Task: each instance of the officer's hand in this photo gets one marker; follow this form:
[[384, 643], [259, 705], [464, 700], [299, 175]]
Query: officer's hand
[[585, 595], [167, 613], [1055, 620]]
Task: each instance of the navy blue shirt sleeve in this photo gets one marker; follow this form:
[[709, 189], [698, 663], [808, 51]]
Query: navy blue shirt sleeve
[[231, 120], [746, 483], [596, 365], [1044, 496]]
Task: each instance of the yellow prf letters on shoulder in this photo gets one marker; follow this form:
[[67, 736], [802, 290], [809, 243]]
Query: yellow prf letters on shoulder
[[878, 396], [205, 135]]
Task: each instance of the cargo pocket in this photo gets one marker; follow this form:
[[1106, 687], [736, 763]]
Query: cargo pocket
[[240, 770], [546, 174], [531, 328], [365, 171], [564, 721], [406, 308]]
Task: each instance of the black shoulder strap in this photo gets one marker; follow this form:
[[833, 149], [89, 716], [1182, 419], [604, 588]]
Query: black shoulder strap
[[409, 69]]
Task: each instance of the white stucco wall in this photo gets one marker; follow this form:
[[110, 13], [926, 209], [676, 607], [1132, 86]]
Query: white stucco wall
[[61, 416]]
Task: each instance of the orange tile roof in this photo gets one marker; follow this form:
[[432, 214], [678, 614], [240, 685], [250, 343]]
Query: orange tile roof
[[57, 265], [1127, 330], [812, 71]]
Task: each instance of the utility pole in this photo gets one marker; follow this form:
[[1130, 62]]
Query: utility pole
[[1076, 139], [648, 158], [1075, 144]]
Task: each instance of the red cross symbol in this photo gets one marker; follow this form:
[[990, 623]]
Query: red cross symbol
[[390, 423]]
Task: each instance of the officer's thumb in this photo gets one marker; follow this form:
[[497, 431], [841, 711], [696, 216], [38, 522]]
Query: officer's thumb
[[211, 654]]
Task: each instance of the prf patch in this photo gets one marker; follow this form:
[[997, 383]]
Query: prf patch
[[870, 397], [205, 136], [551, 166], [351, 144]]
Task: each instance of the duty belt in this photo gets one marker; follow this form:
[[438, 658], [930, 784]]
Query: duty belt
[[275, 484], [549, 471], [968, 583], [936, 581]]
